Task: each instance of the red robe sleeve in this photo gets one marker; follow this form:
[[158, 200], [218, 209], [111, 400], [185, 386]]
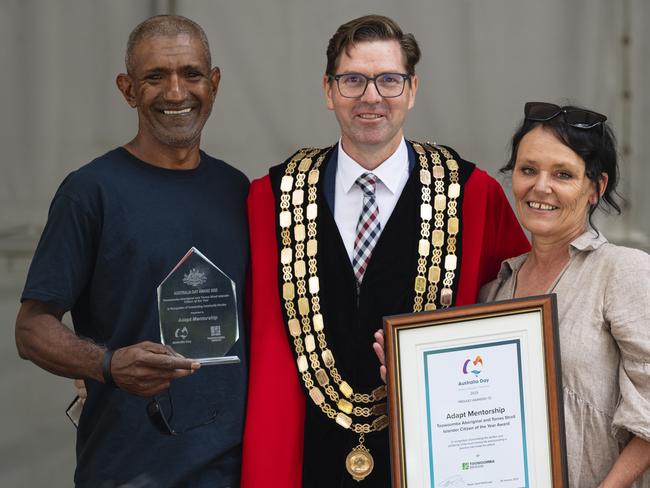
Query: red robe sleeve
[[275, 411], [490, 234]]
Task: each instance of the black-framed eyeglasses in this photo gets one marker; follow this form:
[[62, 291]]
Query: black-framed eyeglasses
[[575, 117], [354, 85], [162, 422]]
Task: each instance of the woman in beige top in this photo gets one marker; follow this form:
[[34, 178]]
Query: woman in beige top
[[564, 166]]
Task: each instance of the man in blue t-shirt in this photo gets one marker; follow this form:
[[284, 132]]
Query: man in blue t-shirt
[[116, 228]]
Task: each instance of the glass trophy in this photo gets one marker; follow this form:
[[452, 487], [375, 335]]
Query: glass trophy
[[197, 306]]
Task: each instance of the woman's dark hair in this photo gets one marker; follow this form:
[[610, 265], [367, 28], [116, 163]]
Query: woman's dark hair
[[596, 146]]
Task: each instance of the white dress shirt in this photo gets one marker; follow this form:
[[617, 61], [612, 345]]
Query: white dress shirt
[[392, 175]]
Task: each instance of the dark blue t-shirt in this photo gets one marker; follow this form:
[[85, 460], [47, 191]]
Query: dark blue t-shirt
[[115, 230]]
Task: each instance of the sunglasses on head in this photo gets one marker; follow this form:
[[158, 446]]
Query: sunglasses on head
[[575, 117]]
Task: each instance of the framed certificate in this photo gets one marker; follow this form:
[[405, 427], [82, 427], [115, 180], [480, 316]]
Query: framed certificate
[[475, 396]]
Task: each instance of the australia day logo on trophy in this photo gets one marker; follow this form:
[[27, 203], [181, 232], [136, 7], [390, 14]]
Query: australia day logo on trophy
[[197, 306]]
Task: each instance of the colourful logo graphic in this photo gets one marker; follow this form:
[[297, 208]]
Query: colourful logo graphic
[[475, 366]]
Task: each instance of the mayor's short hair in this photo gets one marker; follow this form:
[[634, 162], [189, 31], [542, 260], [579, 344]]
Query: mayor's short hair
[[164, 26], [371, 28]]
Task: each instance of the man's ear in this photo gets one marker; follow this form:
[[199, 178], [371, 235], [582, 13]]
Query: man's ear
[[327, 91], [215, 78], [125, 85], [414, 83]]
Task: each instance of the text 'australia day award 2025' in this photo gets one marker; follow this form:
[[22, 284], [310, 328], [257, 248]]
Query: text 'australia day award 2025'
[[197, 305]]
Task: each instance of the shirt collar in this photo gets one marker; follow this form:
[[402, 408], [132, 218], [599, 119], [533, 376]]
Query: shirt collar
[[587, 241], [590, 240], [389, 172]]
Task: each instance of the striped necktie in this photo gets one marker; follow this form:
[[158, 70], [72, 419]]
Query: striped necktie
[[368, 226]]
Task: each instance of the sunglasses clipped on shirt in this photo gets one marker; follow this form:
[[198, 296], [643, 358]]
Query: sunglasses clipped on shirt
[[575, 117], [163, 422]]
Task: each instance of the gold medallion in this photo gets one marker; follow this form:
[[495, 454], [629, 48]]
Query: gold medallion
[[359, 463]]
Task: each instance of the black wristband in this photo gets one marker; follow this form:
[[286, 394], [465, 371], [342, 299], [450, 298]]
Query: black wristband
[[106, 369]]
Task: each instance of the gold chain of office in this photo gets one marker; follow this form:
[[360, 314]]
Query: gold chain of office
[[306, 326]]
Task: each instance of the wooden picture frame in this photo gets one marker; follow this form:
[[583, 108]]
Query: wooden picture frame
[[475, 396]]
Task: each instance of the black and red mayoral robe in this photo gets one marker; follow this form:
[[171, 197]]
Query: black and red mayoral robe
[[288, 441]]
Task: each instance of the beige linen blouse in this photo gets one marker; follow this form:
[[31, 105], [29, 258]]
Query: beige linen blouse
[[603, 299]]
